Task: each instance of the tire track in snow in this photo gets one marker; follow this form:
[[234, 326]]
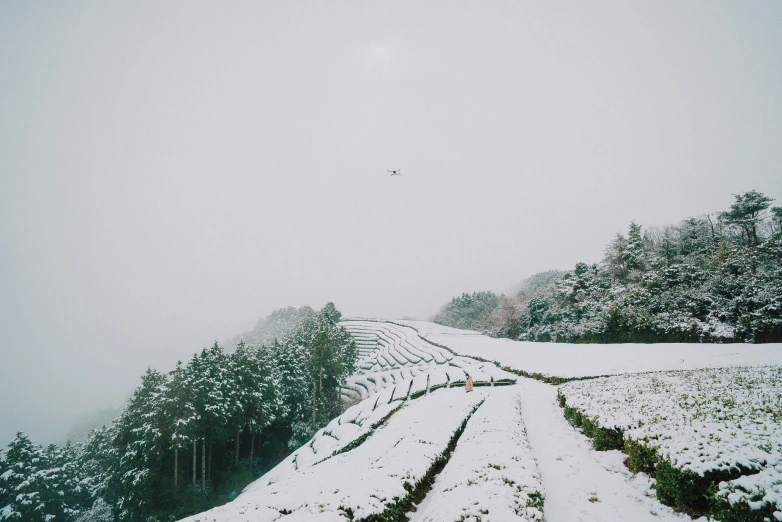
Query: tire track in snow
[[581, 484]]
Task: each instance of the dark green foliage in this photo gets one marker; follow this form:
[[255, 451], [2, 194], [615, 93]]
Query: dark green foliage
[[235, 413], [682, 489], [713, 278], [40, 484], [640, 457], [691, 493], [742, 512], [603, 439], [469, 311], [331, 313]]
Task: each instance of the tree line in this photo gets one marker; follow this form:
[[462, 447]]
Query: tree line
[[711, 278], [188, 439]]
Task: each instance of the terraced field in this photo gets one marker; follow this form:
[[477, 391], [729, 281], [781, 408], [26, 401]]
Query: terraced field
[[711, 437], [379, 458], [411, 445], [395, 356]]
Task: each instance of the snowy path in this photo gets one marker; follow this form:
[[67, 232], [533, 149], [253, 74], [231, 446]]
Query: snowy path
[[573, 473]]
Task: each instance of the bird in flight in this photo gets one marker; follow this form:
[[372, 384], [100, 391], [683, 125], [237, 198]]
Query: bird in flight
[[395, 172]]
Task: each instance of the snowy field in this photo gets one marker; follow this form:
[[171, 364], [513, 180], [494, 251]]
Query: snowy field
[[592, 360], [492, 476], [396, 356], [712, 422], [518, 458], [366, 480]]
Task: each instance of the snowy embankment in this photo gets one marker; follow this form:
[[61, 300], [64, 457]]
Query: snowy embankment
[[371, 479], [392, 355], [695, 430], [492, 475], [382, 453], [581, 484], [592, 360], [379, 458]]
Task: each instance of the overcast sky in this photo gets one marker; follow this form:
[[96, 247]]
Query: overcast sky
[[172, 171]]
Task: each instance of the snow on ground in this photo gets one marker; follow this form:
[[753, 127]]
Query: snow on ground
[[701, 421], [580, 484], [492, 475], [363, 481], [591, 360], [393, 355], [757, 490], [359, 464], [357, 421]]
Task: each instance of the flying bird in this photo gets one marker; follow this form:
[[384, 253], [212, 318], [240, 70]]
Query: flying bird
[[395, 172]]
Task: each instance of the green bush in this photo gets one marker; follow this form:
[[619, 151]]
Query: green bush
[[684, 490], [742, 512], [640, 457], [397, 511], [603, 439]]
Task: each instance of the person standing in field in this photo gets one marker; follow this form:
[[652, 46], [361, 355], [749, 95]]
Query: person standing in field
[[467, 383]]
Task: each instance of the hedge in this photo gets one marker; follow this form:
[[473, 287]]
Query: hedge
[[682, 489]]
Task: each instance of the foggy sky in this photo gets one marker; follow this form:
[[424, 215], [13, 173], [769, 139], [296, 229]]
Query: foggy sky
[[170, 172]]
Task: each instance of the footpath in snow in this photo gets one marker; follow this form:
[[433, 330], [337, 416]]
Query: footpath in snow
[[581, 484]]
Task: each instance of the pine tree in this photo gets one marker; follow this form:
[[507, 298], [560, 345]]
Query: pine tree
[[142, 445], [253, 392], [634, 256], [747, 213], [615, 258], [33, 482], [180, 415], [100, 468], [776, 220]]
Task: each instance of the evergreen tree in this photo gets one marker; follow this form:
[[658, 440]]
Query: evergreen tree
[[776, 220], [615, 258], [253, 392], [469, 311], [180, 414], [39, 484], [99, 462], [331, 312], [634, 256], [747, 213], [142, 445], [703, 280]]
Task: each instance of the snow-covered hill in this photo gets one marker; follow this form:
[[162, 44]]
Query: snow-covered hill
[[591, 360], [414, 442]]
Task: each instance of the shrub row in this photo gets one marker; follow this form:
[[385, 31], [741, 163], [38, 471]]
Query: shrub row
[[397, 511], [682, 489], [362, 438], [548, 379]]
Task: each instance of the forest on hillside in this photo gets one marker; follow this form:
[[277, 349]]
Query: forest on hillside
[[711, 278], [191, 438]]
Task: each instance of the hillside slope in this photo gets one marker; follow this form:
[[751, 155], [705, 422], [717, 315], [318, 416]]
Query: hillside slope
[[415, 443]]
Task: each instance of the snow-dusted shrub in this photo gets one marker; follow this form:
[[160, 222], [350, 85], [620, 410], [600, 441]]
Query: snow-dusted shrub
[[492, 475], [751, 498], [374, 481], [692, 429]]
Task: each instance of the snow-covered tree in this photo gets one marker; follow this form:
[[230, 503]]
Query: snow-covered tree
[[747, 213], [468, 311], [253, 392]]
